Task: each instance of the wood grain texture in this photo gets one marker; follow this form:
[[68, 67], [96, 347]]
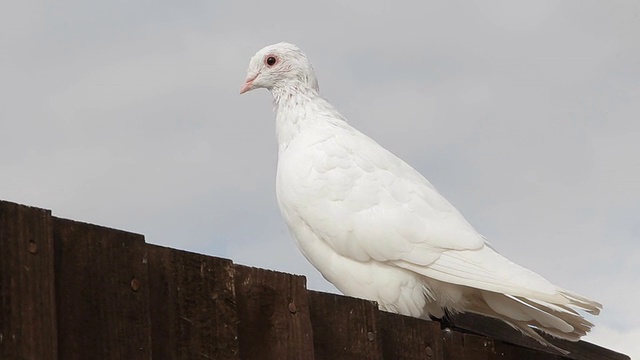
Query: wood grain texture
[[344, 327], [192, 306], [407, 338], [102, 293], [27, 284], [70, 290], [464, 346], [497, 329], [273, 311]]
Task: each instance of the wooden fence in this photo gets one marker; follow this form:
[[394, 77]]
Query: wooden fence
[[71, 290]]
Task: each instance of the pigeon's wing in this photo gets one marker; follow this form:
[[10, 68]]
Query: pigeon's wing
[[367, 204]]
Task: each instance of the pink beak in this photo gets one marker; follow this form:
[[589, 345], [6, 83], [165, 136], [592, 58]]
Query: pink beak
[[248, 84]]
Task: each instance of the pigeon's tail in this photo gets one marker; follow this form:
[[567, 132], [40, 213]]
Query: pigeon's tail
[[559, 320], [484, 282]]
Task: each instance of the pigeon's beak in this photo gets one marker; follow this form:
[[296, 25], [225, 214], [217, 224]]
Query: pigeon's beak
[[248, 84]]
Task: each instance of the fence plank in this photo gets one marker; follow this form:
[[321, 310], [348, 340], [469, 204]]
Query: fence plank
[[407, 338], [193, 313], [497, 329], [502, 350], [459, 346], [273, 315], [344, 327], [27, 284], [101, 292], [586, 351]]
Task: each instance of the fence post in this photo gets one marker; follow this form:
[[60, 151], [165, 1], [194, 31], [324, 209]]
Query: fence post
[[102, 292], [344, 327], [27, 284], [408, 338], [273, 315], [192, 300]]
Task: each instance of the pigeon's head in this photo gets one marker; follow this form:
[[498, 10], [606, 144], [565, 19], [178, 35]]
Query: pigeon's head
[[279, 66]]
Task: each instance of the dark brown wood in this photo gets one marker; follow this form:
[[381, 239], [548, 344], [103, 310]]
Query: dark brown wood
[[458, 346], [497, 329], [102, 293], [586, 351], [344, 327], [27, 284], [273, 313], [407, 338], [503, 350], [193, 312], [474, 347], [70, 290]]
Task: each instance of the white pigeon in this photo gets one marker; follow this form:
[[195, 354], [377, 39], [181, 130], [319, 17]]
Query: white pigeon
[[377, 229]]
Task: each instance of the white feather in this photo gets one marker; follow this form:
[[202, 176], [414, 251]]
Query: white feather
[[377, 229]]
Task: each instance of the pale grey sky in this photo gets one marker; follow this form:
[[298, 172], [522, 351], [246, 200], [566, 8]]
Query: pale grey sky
[[525, 115]]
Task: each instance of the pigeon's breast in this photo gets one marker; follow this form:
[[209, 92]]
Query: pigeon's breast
[[326, 165], [315, 167]]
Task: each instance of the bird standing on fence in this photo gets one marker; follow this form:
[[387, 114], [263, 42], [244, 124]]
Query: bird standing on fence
[[377, 229]]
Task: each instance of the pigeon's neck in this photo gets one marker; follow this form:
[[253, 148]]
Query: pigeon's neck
[[293, 106], [299, 107], [293, 93]]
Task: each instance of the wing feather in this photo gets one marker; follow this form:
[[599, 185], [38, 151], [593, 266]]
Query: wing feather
[[369, 204]]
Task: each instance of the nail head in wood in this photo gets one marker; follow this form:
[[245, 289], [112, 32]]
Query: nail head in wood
[[292, 308], [135, 284], [370, 336]]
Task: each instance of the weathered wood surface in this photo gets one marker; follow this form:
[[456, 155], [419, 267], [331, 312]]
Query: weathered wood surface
[[407, 338], [474, 347], [27, 284], [70, 290], [273, 315], [344, 327], [193, 313], [102, 292], [496, 329]]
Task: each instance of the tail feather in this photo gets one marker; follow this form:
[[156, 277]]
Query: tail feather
[[581, 326], [544, 317], [525, 327], [484, 282], [588, 305], [554, 307], [525, 314]]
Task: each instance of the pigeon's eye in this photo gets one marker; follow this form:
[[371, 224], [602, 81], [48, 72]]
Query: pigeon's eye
[[270, 60]]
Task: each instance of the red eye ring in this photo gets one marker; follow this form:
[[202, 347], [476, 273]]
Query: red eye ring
[[270, 60]]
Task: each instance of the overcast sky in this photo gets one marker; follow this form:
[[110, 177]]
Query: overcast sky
[[525, 115]]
